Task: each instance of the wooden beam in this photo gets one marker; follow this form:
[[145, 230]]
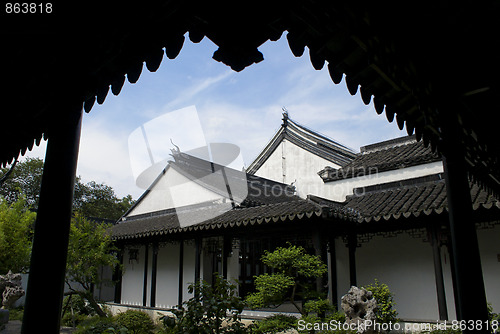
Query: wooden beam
[[181, 273], [197, 262], [352, 244], [50, 243], [332, 266], [145, 278], [154, 269], [471, 302], [226, 249], [117, 275]]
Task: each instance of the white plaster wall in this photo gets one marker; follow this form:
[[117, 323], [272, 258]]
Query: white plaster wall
[[338, 190], [173, 190], [167, 276], [405, 264], [489, 247], [233, 266], [133, 278], [299, 165]]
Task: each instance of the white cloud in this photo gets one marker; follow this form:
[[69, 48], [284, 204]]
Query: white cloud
[[103, 157]]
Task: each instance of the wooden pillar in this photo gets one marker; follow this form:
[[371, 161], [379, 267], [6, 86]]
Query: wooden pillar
[[117, 276], [226, 250], [181, 273], [438, 273], [145, 278], [352, 243], [332, 266], [154, 269], [197, 262], [471, 301], [50, 243], [320, 250]]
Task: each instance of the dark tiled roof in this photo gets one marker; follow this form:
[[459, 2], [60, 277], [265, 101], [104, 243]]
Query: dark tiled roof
[[423, 197], [394, 154], [168, 223], [410, 200], [248, 189]]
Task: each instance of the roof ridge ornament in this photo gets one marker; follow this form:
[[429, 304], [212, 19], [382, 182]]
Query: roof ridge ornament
[[285, 116]]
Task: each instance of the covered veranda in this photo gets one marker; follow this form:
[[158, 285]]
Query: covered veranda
[[431, 66]]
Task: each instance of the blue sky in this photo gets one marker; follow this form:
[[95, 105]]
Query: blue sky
[[240, 108]]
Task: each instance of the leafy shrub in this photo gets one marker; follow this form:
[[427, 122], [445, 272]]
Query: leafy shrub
[[274, 324], [137, 322], [100, 325], [207, 311], [319, 306], [385, 311], [75, 310], [77, 304], [73, 320], [292, 268]]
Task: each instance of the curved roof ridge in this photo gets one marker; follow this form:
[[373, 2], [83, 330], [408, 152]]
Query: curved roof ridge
[[310, 140]]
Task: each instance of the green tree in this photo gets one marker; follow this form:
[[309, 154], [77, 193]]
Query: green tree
[[99, 200], [16, 223], [292, 266], [90, 248], [23, 181]]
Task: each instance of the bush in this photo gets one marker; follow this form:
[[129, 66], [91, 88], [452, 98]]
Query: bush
[[319, 306], [75, 310], [100, 325], [385, 311], [207, 311], [73, 320], [137, 322], [274, 324]]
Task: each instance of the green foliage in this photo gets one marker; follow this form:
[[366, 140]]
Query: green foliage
[[76, 304], [319, 306], [294, 261], [137, 322], [24, 181], [271, 290], [72, 319], [90, 248], [16, 223], [16, 313], [292, 265], [75, 311], [99, 200], [98, 325], [274, 324], [212, 309], [385, 311]]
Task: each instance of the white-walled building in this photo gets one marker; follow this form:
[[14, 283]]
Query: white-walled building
[[378, 214]]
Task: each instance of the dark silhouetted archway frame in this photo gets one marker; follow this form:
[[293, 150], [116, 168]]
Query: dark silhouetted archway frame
[[430, 65]]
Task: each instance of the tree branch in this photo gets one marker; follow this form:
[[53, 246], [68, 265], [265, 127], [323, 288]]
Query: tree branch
[[4, 178]]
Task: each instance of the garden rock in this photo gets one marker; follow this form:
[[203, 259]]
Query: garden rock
[[359, 308], [10, 289]]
